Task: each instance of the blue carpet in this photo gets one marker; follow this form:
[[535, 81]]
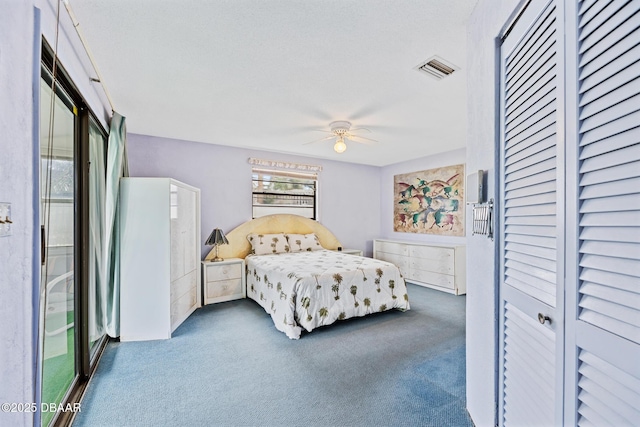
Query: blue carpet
[[227, 365]]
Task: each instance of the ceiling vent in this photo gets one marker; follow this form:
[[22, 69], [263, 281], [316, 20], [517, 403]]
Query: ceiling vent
[[437, 68]]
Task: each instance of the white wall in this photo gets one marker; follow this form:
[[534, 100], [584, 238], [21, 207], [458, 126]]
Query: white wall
[[484, 26]]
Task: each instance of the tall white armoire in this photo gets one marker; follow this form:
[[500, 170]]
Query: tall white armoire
[[159, 256]]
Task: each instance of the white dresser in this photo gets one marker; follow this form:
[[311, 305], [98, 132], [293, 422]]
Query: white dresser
[[441, 267], [159, 256]]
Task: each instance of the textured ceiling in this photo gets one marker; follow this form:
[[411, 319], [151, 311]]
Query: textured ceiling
[[268, 74]]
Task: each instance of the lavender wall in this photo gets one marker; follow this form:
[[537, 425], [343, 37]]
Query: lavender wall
[[349, 197], [386, 199]]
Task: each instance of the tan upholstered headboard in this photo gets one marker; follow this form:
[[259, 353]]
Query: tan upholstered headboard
[[239, 246]]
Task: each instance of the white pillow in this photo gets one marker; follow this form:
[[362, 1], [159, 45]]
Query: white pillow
[[264, 244], [304, 242]]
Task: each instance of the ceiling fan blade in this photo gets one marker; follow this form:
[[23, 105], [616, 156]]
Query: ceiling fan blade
[[310, 128], [321, 139], [314, 112], [359, 129], [368, 110], [355, 138]]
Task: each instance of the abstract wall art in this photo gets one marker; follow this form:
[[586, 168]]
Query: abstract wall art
[[430, 201]]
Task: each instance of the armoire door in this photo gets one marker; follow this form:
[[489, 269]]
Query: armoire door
[[531, 218]]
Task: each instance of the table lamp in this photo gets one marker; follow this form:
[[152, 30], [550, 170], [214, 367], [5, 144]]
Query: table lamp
[[217, 238]]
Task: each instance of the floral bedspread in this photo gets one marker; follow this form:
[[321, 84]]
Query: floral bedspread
[[311, 289]]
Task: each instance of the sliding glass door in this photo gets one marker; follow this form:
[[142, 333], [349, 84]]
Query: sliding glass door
[[57, 183], [72, 190]]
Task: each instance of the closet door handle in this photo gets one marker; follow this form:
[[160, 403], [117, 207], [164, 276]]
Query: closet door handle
[[543, 319]]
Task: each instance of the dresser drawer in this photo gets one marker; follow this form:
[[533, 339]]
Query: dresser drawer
[[432, 252], [402, 262], [443, 266], [392, 248], [431, 278], [223, 288], [223, 272]]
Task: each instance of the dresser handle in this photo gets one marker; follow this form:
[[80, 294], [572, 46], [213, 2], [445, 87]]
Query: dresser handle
[[543, 319]]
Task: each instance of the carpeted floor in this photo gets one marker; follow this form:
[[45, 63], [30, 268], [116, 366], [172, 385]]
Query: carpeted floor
[[227, 365]]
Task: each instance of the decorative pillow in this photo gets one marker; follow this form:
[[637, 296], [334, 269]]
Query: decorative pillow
[[304, 242], [265, 244]]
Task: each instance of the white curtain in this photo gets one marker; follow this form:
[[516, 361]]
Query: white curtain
[[116, 168]]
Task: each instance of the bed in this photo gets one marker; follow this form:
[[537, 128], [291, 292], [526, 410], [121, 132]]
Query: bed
[[295, 272]]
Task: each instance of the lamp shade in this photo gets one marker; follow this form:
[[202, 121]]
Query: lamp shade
[[216, 238]]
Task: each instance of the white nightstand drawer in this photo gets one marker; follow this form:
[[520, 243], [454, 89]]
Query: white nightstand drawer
[[216, 272], [223, 280], [223, 288]]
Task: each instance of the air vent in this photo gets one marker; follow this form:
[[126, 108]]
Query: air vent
[[437, 68]]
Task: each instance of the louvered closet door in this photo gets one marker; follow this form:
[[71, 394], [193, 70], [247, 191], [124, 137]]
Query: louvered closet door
[[531, 87], [607, 300]]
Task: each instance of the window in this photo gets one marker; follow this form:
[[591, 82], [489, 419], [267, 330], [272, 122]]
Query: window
[[278, 192]]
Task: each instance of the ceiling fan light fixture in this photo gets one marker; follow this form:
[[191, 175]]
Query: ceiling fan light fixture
[[340, 127], [341, 131]]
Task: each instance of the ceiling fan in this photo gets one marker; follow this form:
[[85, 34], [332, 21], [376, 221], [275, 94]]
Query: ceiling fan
[[341, 131]]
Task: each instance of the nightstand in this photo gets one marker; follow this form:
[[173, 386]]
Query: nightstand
[[352, 252], [223, 280]]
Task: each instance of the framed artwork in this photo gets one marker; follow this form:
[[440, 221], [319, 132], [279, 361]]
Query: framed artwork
[[430, 201]]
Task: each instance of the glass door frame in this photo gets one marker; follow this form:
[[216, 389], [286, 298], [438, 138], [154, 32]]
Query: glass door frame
[[84, 363]]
